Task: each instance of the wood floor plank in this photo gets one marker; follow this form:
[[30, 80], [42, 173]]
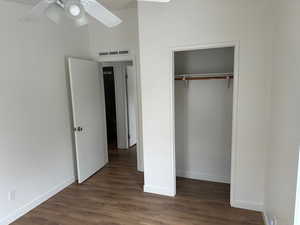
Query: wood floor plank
[[114, 196]]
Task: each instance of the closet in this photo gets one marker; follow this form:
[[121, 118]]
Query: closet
[[203, 113]]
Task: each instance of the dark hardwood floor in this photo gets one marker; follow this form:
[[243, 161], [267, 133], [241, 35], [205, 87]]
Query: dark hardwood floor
[[114, 196]]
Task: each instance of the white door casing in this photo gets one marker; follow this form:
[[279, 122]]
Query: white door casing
[[132, 105]]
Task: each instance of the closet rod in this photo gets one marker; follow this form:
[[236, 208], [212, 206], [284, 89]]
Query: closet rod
[[204, 77]]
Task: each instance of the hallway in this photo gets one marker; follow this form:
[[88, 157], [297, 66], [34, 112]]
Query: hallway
[[114, 196]]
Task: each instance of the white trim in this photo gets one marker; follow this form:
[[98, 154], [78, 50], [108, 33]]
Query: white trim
[[172, 120], [203, 176], [159, 190], [34, 203], [297, 194], [248, 205], [234, 140], [266, 218], [234, 44]]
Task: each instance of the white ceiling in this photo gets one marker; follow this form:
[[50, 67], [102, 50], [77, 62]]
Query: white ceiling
[[110, 4], [118, 4]]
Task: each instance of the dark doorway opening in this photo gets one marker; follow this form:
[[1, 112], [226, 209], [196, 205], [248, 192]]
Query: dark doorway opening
[[110, 104]]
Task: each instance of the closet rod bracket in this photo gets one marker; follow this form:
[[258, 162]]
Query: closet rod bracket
[[228, 78], [186, 81]]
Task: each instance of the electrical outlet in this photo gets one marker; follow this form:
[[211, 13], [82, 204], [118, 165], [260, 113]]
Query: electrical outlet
[[12, 195]]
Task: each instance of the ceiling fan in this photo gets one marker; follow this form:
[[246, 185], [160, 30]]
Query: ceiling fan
[[77, 10]]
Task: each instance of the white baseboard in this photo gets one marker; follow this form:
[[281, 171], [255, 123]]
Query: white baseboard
[[266, 219], [159, 190], [203, 176], [34, 203], [140, 167], [247, 205]]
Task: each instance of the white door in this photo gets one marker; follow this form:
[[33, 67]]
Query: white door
[[88, 104], [132, 105]]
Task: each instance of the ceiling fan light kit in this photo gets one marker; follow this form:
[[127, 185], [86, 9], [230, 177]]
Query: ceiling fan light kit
[[73, 8]]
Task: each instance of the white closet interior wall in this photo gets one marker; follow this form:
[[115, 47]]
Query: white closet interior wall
[[203, 113]]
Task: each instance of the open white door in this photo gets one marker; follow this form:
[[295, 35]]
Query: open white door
[[132, 105], [88, 106]]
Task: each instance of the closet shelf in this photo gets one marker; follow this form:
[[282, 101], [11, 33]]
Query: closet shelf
[[208, 76]]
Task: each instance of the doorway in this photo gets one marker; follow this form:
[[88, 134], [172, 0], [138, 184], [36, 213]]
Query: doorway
[[99, 94], [121, 108], [110, 107]]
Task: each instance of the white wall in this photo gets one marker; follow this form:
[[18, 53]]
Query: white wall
[[217, 60], [190, 22], [36, 145], [122, 37], [203, 115], [285, 111]]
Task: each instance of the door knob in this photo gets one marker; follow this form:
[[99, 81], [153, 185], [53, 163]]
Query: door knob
[[79, 129]]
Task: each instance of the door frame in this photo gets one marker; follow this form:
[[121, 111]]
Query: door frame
[[236, 46], [123, 141], [133, 58]]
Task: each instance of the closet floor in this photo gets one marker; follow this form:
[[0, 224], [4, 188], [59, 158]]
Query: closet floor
[[114, 196]]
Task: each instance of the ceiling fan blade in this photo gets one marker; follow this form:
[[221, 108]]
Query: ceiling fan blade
[[39, 9], [100, 13]]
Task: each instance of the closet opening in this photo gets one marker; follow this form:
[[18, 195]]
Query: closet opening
[[204, 119]]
